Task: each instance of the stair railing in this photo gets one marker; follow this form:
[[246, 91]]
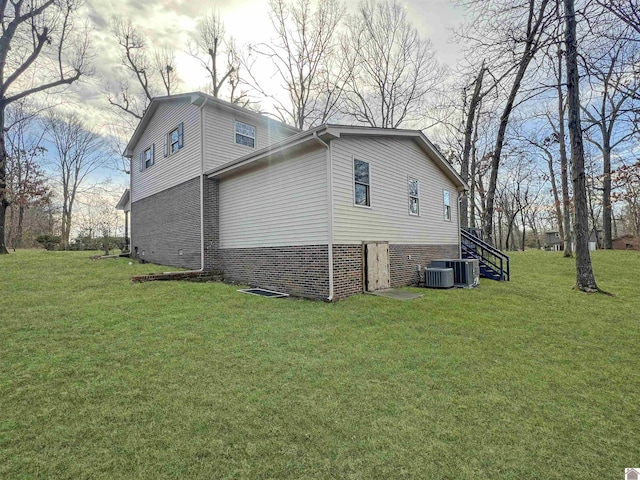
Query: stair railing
[[488, 254]]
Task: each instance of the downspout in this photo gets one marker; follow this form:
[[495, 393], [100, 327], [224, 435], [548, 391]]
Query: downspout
[[206, 99], [461, 194], [201, 269], [329, 212]]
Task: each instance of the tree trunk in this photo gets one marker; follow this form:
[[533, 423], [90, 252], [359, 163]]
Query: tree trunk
[[3, 216], [4, 203], [585, 279], [18, 239], [606, 195], [527, 55], [524, 229], [556, 196], [468, 132], [564, 163], [473, 173]]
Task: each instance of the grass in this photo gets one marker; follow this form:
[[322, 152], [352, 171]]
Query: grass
[[101, 378]]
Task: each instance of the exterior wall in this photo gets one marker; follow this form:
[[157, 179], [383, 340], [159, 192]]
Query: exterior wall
[[348, 265], [167, 222], [404, 270], [219, 134], [282, 203], [211, 224], [174, 169], [297, 270], [626, 242], [347, 270], [392, 161]]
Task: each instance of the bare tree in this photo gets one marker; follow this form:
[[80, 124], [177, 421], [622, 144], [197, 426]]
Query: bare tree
[[303, 53], [26, 183], [76, 154], [607, 109], [544, 145], [39, 51], [393, 69], [523, 39], [209, 46], [626, 10], [471, 114], [585, 279], [147, 72], [560, 136]]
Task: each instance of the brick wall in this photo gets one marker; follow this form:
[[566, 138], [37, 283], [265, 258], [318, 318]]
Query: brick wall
[[166, 226], [302, 271], [211, 225], [626, 242], [347, 271], [404, 270], [348, 265]]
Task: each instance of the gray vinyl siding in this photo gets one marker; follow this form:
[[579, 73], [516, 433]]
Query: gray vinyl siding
[[392, 161], [174, 169], [280, 203], [219, 134]]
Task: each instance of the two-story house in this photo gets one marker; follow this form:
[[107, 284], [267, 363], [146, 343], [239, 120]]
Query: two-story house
[[323, 213]]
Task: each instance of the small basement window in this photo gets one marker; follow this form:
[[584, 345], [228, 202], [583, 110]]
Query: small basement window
[[361, 183], [263, 293], [245, 134], [414, 196]]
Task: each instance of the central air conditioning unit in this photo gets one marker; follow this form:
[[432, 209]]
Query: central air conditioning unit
[[438, 277], [466, 272]]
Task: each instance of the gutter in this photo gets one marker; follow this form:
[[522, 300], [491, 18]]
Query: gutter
[[329, 212]]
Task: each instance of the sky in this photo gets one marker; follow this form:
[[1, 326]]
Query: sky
[[171, 22]]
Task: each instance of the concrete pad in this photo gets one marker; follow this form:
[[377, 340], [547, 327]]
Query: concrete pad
[[396, 294]]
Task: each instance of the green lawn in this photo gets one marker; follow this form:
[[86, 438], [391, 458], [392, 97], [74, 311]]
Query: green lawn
[[102, 378]]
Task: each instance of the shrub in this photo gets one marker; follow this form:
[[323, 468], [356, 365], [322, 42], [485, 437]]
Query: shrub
[[49, 242]]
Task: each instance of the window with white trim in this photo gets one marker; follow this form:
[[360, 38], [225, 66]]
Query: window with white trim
[[447, 205], [361, 183], [414, 196], [147, 157], [174, 140], [245, 134]]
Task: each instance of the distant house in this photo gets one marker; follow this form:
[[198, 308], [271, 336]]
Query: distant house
[[218, 187], [554, 243], [626, 242], [631, 474]]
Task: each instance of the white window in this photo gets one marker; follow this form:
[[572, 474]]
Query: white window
[[447, 206], [174, 140], [245, 134], [414, 196], [361, 183], [147, 157]]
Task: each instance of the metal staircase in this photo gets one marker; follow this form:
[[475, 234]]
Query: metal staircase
[[494, 264]]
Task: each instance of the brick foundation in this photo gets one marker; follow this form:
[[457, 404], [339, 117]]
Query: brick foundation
[[166, 226], [347, 271], [301, 271], [211, 225], [404, 271], [348, 265]]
